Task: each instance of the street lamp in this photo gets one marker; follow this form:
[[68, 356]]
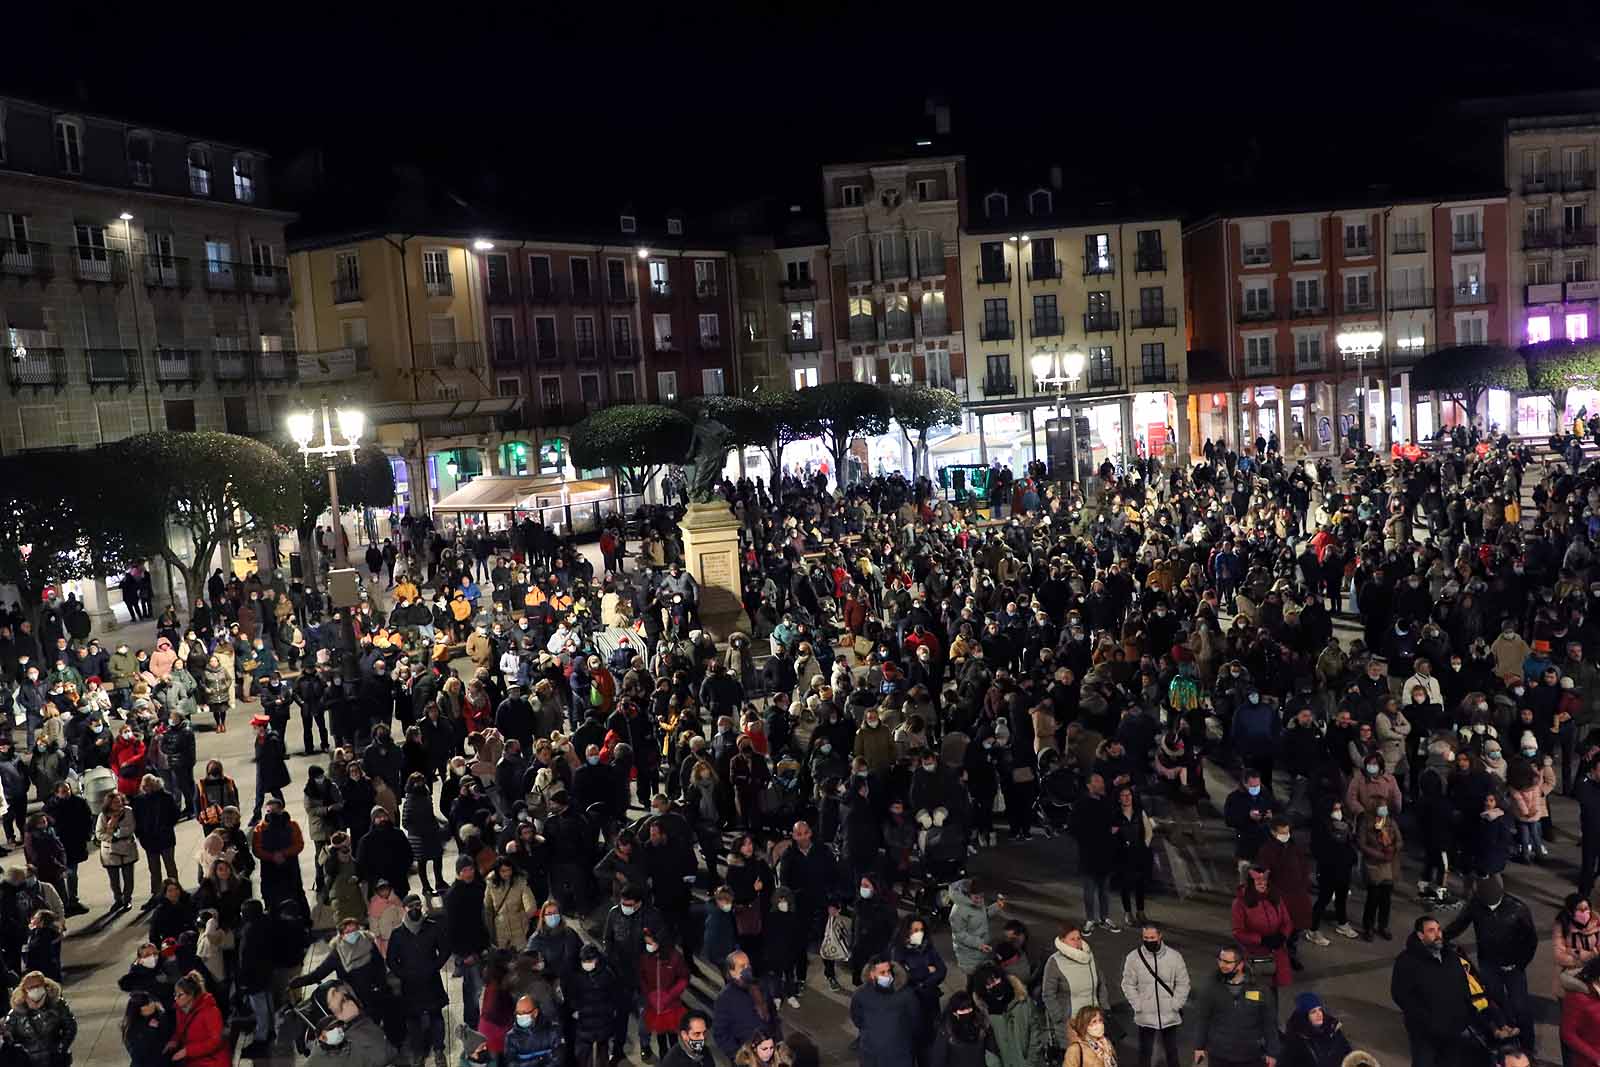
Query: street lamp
[[483, 245], [1360, 344], [1060, 373], [303, 429]]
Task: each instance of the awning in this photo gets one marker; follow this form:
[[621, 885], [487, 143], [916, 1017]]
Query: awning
[[413, 410], [968, 442], [496, 493]]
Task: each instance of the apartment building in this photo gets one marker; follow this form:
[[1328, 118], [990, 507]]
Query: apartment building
[[142, 282], [894, 258], [1302, 322], [1043, 277], [785, 337], [687, 316]]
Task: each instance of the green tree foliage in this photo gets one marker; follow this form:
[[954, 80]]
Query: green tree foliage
[[636, 441], [786, 418], [208, 485], [919, 409], [57, 525], [1468, 371], [842, 411], [746, 423], [366, 483], [1556, 366]]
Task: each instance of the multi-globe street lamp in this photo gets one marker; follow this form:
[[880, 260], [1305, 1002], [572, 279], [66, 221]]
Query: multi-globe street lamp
[[1060, 372]]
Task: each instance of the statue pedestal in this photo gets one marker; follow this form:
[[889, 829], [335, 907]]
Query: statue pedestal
[[711, 554]]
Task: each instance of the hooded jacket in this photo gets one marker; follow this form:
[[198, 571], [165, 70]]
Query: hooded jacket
[[44, 1034], [1070, 971], [969, 926]]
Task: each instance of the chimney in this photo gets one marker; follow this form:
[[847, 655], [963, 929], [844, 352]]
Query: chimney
[[1055, 176], [934, 107]]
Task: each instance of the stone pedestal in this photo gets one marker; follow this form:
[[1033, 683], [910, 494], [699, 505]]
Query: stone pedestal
[[711, 554]]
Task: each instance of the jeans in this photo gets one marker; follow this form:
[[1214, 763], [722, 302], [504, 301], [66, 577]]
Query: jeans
[[425, 1030], [1097, 897], [1375, 912], [1530, 837], [261, 1008], [261, 795], [1148, 1035], [471, 992], [121, 879]]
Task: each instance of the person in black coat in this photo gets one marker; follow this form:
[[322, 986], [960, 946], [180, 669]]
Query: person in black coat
[[272, 766], [466, 935], [1507, 941], [1429, 986], [309, 692], [146, 1029], [596, 995], [174, 914], [417, 950], [155, 823], [874, 924], [384, 854], [252, 974], [74, 825]]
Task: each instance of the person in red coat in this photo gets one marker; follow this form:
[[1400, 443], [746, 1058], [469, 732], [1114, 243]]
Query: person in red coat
[[127, 761], [663, 977], [197, 1034], [1289, 869], [1262, 924], [1580, 1019]]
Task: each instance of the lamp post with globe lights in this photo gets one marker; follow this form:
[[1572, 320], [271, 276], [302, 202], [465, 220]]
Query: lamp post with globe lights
[[1060, 373], [303, 429], [1360, 344]]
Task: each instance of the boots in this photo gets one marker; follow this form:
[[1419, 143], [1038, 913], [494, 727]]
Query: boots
[[438, 1058]]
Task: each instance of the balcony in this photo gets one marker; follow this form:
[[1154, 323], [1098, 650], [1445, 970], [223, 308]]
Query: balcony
[[507, 353], [894, 268], [1359, 304], [495, 291], [166, 272], [935, 325], [269, 280], [794, 344], [996, 330], [999, 386], [1540, 238], [279, 366], [660, 289], [1408, 350], [1104, 378], [26, 259], [1305, 251], [1406, 243], [1102, 321], [179, 366], [1536, 182], [1577, 236], [97, 265], [797, 292], [994, 274], [1048, 326], [1258, 313], [863, 328], [709, 342], [899, 327], [624, 348], [231, 365], [1044, 270], [220, 277], [1576, 181], [1157, 373], [199, 180], [1405, 299], [585, 294], [667, 346], [860, 273], [1308, 311], [930, 263], [1357, 249], [112, 366], [1467, 241], [140, 172], [439, 283], [1546, 293], [543, 291], [1150, 261], [1473, 294], [449, 355], [1162, 318], [619, 294], [1094, 266], [1256, 255], [35, 367]]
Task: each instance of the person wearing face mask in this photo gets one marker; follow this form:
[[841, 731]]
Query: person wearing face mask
[[743, 1007], [1574, 942], [1379, 842], [622, 938], [1018, 1038], [1235, 1016], [145, 975], [1529, 782], [962, 1037], [1072, 980], [1509, 650], [534, 1038], [384, 854], [1248, 811], [146, 1028], [417, 951], [913, 949], [349, 1037], [691, 1048], [1088, 1045], [886, 1015], [555, 939]]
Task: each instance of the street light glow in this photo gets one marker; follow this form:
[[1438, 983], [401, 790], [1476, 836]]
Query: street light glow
[[644, 253], [482, 245], [1073, 364], [351, 424], [1362, 341], [126, 216], [301, 426], [1041, 364]]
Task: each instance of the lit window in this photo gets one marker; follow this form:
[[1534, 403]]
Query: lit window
[[1577, 326], [1538, 329]]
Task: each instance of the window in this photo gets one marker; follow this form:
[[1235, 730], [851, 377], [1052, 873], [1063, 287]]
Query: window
[[1469, 278], [666, 386], [503, 337], [1044, 258], [497, 275], [1153, 361], [660, 282], [1257, 300], [711, 383], [583, 335], [750, 323], [589, 388], [705, 277], [621, 337], [1577, 326], [1147, 245], [798, 272], [1152, 301], [805, 377], [544, 336], [1102, 365], [995, 321], [1100, 302], [510, 387], [69, 145], [1572, 217], [1045, 316], [675, 226], [235, 415], [199, 170], [579, 268], [1040, 202], [1538, 328], [1409, 286], [710, 331], [628, 224], [1575, 168], [997, 379], [1253, 246], [261, 264], [1097, 252], [1258, 354], [900, 367], [1466, 229], [1308, 294], [995, 205], [850, 195], [1535, 167], [1308, 351], [1357, 241], [617, 278], [353, 333], [934, 319], [936, 363], [1472, 329], [94, 262], [436, 271], [663, 332], [1303, 243], [625, 388], [1577, 269], [1538, 271], [180, 415], [802, 324], [550, 392], [140, 169], [1358, 290], [244, 179], [927, 189]]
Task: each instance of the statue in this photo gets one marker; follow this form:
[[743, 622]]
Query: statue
[[708, 454]]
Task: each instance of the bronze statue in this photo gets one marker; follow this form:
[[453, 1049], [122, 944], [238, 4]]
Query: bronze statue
[[708, 454]]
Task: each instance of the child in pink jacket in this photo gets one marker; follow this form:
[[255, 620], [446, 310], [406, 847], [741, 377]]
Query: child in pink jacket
[[1529, 781]]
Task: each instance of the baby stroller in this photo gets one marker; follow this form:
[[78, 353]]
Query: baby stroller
[[299, 1022], [1058, 788], [939, 860]]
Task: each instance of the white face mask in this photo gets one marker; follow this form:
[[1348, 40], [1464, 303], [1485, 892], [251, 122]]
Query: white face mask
[[590, 965], [783, 905], [36, 995], [1282, 839], [147, 961], [915, 938], [1338, 816], [524, 1020], [334, 1037], [1097, 1029]]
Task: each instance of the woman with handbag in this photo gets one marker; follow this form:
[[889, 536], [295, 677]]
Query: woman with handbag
[[751, 880], [1072, 982], [1378, 838], [1262, 926]]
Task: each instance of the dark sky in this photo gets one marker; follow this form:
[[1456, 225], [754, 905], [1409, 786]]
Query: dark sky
[[698, 105]]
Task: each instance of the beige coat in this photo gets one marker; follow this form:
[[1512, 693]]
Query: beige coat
[[507, 907]]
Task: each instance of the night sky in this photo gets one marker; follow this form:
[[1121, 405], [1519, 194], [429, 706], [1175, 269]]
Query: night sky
[[695, 107]]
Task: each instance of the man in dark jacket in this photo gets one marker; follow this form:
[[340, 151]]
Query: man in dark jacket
[[416, 952], [384, 854], [693, 1031], [253, 975], [742, 1008], [308, 693], [1429, 986], [74, 824], [466, 936], [1248, 811], [177, 745], [1507, 942], [622, 940], [1235, 1017], [272, 765], [1587, 794], [886, 1014]]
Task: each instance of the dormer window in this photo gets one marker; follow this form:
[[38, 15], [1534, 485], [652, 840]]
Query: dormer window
[[199, 170], [675, 227], [1040, 202], [629, 224], [850, 195], [995, 206], [141, 171], [69, 145], [244, 179]]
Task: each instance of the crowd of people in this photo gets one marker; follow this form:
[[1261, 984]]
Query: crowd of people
[[652, 835]]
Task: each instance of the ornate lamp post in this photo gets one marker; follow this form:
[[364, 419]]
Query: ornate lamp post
[[1060, 373]]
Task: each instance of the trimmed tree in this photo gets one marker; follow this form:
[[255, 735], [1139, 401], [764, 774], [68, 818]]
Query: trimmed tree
[[1556, 366], [57, 525], [785, 418], [636, 441], [210, 486], [918, 409], [1469, 371], [843, 411]]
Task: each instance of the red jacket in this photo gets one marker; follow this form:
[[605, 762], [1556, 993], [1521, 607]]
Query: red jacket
[[1580, 1028], [199, 1033], [663, 977], [127, 760], [1253, 922]]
